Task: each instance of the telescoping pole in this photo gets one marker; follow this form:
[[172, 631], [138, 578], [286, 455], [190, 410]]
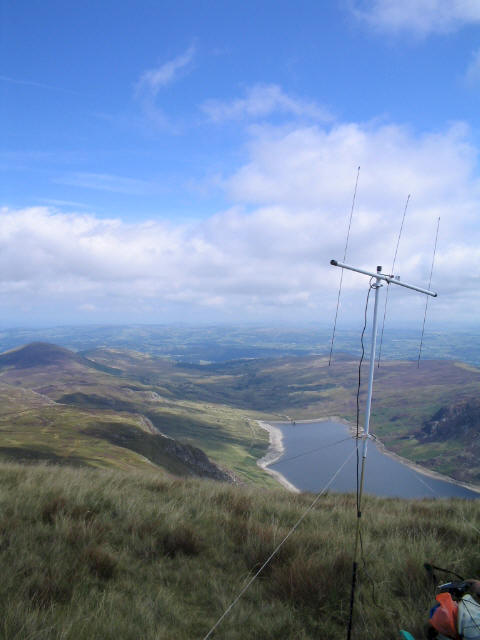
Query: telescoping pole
[[366, 435], [368, 407]]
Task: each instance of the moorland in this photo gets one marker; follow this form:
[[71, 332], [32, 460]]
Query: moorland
[[117, 554]]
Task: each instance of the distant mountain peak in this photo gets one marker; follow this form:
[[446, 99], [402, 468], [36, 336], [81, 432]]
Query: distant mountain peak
[[39, 354]]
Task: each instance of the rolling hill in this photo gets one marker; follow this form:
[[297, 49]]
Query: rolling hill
[[59, 406]]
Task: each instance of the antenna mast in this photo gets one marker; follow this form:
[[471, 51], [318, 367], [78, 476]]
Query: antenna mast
[[379, 278]]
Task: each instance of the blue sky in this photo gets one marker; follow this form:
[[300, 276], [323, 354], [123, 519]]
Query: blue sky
[[165, 161]]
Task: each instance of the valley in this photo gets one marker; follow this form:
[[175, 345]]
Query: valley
[[60, 407], [108, 406]]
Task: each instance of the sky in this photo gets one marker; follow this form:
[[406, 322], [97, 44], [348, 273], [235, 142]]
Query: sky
[[195, 160]]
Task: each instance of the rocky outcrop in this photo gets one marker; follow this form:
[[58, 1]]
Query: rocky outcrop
[[192, 457], [172, 455], [198, 461], [459, 421]]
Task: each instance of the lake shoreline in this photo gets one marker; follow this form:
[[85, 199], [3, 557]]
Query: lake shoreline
[[276, 451]]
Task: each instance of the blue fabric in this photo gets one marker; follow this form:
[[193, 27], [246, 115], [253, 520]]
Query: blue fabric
[[432, 610]]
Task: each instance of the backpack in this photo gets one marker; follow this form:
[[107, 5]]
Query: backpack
[[468, 622]]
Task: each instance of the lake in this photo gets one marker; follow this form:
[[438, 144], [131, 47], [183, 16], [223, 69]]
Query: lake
[[384, 476]]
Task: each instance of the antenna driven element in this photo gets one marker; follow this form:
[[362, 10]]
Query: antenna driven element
[[378, 278]]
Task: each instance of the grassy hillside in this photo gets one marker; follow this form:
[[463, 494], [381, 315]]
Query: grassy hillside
[[58, 406], [106, 554]]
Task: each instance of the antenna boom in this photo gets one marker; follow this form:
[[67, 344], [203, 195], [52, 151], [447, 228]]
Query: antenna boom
[[381, 276]]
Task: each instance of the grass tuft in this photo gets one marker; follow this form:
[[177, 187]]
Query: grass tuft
[[182, 539], [314, 582], [47, 590], [101, 562]]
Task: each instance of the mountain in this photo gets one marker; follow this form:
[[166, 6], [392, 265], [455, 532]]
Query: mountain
[[44, 354], [40, 420], [40, 354]]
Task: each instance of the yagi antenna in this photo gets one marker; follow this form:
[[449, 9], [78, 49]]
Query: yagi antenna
[[379, 278]]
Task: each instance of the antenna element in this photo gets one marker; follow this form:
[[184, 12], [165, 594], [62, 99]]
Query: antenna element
[[426, 302], [398, 277], [344, 258]]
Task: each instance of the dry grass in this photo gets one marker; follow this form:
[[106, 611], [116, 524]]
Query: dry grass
[[106, 554]]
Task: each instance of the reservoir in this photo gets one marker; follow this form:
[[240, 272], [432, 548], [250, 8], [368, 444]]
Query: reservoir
[[314, 451]]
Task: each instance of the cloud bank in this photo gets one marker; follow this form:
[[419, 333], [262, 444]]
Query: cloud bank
[[267, 257]]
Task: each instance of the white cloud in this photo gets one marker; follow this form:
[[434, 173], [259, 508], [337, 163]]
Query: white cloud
[[267, 257], [153, 80], [260, 101], [150, 83], [418, 16]]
